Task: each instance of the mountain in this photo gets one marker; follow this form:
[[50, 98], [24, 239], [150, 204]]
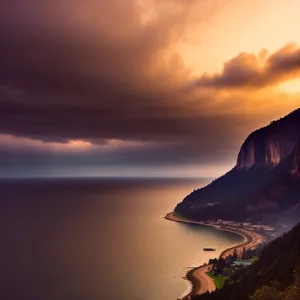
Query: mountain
[[271, 145], [295, 171], [264, 184], [276, 263]]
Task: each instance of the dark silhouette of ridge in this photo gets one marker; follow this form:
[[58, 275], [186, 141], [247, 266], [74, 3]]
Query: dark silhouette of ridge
[[264, 181]]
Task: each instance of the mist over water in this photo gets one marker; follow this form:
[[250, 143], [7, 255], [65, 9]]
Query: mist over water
[[99, 239]]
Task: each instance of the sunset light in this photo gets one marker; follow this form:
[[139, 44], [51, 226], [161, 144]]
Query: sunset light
[[291, 86], [150, 149]]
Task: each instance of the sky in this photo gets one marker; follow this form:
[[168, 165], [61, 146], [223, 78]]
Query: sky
[[141, 87]]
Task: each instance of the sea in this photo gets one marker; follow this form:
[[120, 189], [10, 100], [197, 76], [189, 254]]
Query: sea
[[96, 238]]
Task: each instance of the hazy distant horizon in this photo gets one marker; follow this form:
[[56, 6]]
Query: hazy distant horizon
[[141, 86], [127, 172], [107, 177]]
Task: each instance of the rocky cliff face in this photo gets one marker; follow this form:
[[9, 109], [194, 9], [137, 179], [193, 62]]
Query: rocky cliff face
[[256, 151], [270, 145], [295, 170], [266, 176], [246, 158]]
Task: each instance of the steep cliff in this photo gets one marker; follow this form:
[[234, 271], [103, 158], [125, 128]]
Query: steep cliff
[[267, 166], [295, 170], [260, 150], [272, 144]]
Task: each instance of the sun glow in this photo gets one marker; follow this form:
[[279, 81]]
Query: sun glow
[[291, 86], [79, 144]]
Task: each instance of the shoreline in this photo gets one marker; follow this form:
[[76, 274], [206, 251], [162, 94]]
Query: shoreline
[[202, 283]]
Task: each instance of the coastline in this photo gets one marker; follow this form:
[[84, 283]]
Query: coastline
[[202, 283]]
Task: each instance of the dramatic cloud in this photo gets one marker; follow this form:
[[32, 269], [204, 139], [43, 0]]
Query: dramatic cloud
[[250, 71], [98, 69], [103, 83]]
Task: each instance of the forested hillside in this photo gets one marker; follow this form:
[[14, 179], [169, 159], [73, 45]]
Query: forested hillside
[[277, 262]]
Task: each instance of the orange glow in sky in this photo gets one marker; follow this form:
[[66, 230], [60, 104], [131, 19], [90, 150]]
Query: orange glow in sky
[[240, 26], [144, 82], [291, 86]]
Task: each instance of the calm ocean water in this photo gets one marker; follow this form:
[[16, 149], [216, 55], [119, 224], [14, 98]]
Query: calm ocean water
[[99, 239]]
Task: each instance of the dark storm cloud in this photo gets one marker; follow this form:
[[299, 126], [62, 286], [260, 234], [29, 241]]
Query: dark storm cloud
[[92, 70], [98, 71], [95, 71], [250, 71], [58, 123]]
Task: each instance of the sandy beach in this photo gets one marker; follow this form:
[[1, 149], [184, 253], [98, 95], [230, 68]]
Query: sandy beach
[[202, 283]]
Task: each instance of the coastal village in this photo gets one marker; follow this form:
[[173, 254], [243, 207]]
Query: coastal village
[[256, 234], [213, 275]]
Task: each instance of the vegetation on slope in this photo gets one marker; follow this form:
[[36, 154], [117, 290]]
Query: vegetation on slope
[[276, 264], [273, 292], [219, 280]]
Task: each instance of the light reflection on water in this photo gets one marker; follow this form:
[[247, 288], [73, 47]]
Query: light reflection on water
[[99, 240]]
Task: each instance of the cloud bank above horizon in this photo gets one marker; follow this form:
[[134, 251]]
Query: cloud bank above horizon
[[109, 84]]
